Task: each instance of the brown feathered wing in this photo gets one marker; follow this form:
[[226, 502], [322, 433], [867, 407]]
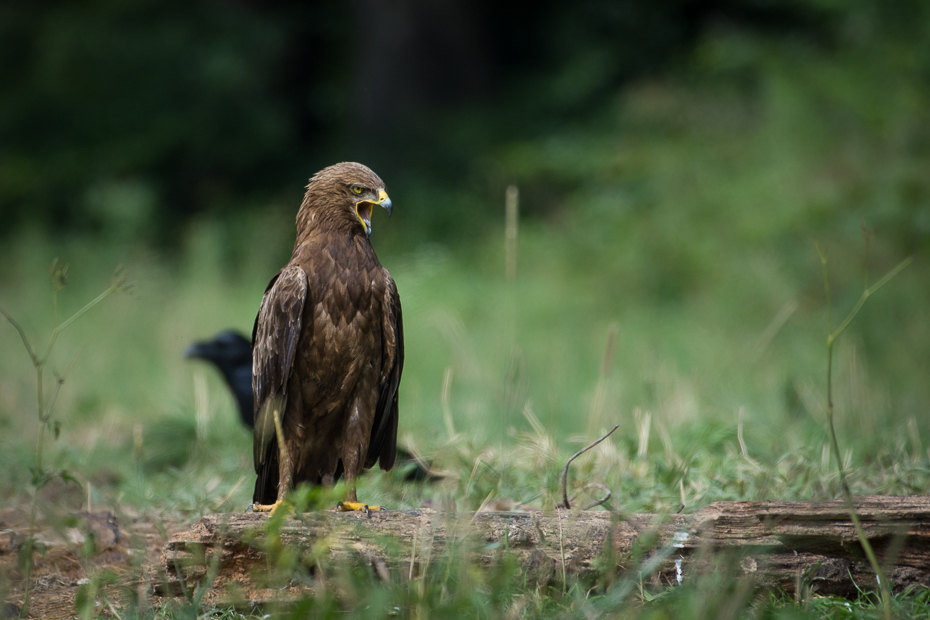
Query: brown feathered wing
[[383, 445], [274, 342]]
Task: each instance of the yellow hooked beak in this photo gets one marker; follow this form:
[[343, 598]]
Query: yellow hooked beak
[[363, 209]]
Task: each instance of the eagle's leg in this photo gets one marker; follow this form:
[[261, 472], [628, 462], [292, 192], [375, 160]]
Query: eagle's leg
[[285, 478], [351, 503]]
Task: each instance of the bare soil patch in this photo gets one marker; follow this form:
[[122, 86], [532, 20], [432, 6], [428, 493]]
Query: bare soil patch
[[71, 549]]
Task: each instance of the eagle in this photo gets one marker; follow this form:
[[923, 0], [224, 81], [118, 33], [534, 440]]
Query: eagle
[[231, 353], [328, 347]]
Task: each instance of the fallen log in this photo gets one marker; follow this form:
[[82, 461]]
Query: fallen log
[[774, 543]]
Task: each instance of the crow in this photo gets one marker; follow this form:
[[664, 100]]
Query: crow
[[231, 353]]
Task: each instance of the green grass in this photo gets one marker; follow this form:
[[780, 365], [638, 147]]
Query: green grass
[[682, 215]]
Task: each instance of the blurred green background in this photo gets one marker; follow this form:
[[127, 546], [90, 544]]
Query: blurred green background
[[675, 162]]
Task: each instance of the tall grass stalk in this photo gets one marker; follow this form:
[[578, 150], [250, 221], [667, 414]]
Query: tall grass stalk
[[511, 223], [59, 278], [600, 392], [832, 335]]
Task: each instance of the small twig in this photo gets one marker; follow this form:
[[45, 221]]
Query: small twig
[[58, 383], [22, 334], [597, 485], [93, 302], [73, 318], [566, 504]]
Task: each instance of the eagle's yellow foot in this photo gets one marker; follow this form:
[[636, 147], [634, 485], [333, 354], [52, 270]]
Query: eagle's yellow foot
[[273, 508], [353, 506]]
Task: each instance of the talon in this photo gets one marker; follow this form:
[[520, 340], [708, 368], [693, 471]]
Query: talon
[[357, 507], [272, 508]]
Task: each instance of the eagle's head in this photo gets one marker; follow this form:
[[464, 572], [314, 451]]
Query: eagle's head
[[342, 195]]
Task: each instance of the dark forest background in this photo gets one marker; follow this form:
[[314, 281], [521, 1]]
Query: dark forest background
[[129, 118]]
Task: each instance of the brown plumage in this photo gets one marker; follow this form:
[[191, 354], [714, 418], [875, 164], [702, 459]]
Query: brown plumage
[[328, 345]]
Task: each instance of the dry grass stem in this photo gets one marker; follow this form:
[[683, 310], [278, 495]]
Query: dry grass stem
[[561, 547], [446, 409], [600, 392], [744, 452], [643, 425], [511, 223], [230, 494], [775, 326]]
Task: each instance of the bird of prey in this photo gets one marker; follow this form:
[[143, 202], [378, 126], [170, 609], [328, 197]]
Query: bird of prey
[[231, 353], [328, 347]]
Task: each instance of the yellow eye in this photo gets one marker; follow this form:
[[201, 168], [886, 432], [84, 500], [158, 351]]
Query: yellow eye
[[357, 189]]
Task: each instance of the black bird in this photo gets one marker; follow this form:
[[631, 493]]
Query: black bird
[[231, 353]]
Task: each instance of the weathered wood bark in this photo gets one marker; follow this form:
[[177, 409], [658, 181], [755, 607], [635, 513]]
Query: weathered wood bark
[[774, 543]]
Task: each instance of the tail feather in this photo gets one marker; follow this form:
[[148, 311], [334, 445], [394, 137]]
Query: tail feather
[[266, 484]]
